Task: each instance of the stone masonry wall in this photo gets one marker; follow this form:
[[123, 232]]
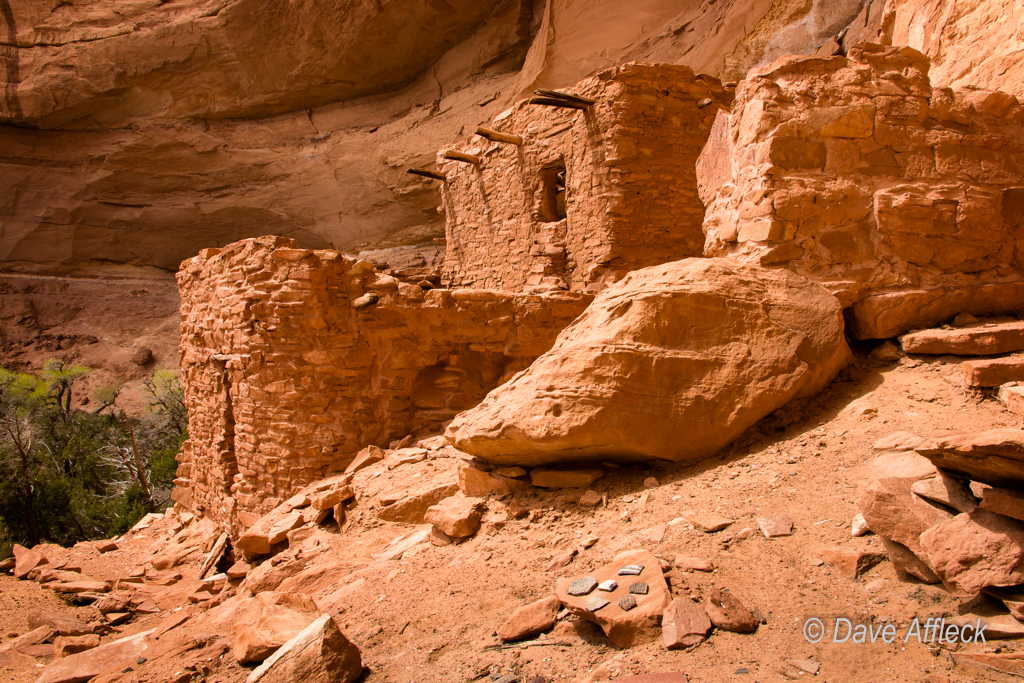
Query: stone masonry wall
[[631, 191], [905, 200], [289, 370]]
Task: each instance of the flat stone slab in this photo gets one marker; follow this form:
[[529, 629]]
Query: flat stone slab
[[624, 627], [710, 522], [977, 340], [992, 372], [564, 479], [773, 527], [994, 457]]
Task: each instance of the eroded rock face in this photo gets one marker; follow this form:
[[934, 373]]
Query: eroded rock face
[[204, 58], [898, 196], [672, 363]]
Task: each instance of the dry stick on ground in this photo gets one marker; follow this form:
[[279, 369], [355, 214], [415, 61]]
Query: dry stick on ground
[[215, 553]]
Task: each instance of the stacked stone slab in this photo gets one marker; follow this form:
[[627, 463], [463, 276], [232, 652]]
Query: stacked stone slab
[[953, 511], [293, 360], [903, 199], [631, 193]]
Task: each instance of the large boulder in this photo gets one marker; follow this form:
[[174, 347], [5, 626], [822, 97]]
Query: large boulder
[[673, 362]]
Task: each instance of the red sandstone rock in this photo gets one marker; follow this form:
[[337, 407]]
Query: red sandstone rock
[[978, 340], [1006, 502], [889, 506], [564, 479], [238, 570], [727, 612], [948, 490], [687, 564], [601, 391], [624, 628], [70, 645], [25, 560], [773, 527], [561, 560], [106, 546], [530, 620], [974, 550], [365, 458], [63, 624], [319, 654], [269, 575], [1012, 396], [479, 483], [684, 624], [995, 457], [260, 633], [709, 522], [456, 516], [83, 666], [906, 563], [850, 561], [992, 372], [413, 506]]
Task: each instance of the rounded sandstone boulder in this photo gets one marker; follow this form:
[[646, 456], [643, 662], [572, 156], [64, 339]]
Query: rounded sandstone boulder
[[673, 362]]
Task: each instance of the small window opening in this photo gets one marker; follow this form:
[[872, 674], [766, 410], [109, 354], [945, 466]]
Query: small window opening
[[553, 192]]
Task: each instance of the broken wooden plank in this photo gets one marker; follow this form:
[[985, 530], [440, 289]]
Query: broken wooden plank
[[214, 555]]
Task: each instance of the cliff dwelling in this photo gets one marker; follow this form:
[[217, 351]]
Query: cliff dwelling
[[522, 342]]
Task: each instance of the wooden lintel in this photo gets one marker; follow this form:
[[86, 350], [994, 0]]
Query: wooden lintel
[[465, 158], [427, 173], [558, 102], [560, 95], [495, 136]]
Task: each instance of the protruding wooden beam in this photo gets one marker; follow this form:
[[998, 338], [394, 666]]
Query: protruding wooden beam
[[465, 158], [558, 102], [560, 95], [427, 173], [495, 136]]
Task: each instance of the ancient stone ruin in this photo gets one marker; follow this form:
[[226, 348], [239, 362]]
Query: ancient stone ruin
[[588, 189], [520, 341], [293, 360], [852, 172], [902, 198]]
